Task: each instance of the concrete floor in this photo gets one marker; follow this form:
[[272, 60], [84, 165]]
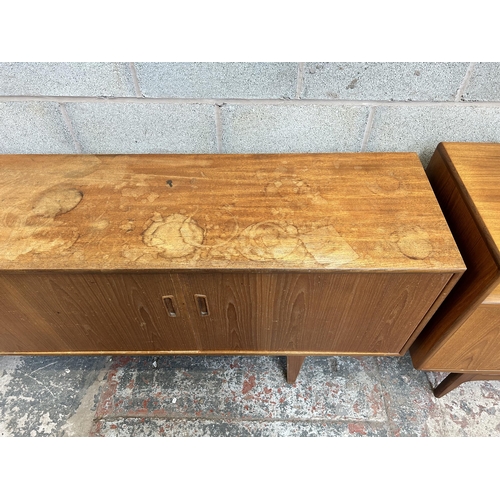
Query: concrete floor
[[236, 396]]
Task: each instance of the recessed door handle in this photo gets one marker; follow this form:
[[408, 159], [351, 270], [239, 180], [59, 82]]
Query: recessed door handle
[[202, 304], [170, 305]]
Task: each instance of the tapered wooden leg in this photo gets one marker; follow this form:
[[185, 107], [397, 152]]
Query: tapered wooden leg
[[293, 365], [452, 381]]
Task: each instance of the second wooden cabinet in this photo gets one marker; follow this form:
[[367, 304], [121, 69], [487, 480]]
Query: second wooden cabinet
[[464, 335]]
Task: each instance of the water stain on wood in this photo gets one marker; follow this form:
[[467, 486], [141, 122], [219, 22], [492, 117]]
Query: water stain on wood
[[385, 184], [58, 201], [269, 240], [413, 242], [176, 235]]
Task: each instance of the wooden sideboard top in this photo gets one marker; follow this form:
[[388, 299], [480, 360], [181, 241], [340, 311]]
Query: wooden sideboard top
[[478, 169], [359, 211]]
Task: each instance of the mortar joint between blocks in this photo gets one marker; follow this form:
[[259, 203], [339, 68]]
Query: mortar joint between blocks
[[218, 126], [465, 83], [135, 79], [300, 80], [69, 126]]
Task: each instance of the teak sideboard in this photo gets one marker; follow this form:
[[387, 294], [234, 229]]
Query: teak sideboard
[[289, 254], [464, 335]]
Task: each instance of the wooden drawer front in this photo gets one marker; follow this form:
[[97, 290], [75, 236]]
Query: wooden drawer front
[[373, 313], [91, 312], [475, 346]]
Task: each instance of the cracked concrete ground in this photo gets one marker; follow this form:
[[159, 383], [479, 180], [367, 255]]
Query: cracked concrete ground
[[236, 396]]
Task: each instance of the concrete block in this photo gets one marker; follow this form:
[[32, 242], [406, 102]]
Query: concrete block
[[422, 128], [292, 129], [403, 81], [66, 79], [484, 84], [218, 80], [111, 127], [33, 127]]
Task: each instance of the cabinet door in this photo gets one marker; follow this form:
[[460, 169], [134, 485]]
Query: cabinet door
[[474, 346], [92, 312], [350, 313], [226, 310], [358, 313]]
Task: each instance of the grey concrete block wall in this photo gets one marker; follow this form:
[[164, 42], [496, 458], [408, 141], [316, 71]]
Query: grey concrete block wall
[[384, 81], [484, 83], [33, 127], [286, 129], [218, 80], [66, 79], [245, 107], [132, 127], [421, 128]]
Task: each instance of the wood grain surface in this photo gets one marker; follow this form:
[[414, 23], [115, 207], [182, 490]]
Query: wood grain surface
[[493, 297], [220, 254], [279, 313], [476, 237], [293, 366], [363, 211], [475, 346], [288, 312], [477, 167], [68, 312]]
